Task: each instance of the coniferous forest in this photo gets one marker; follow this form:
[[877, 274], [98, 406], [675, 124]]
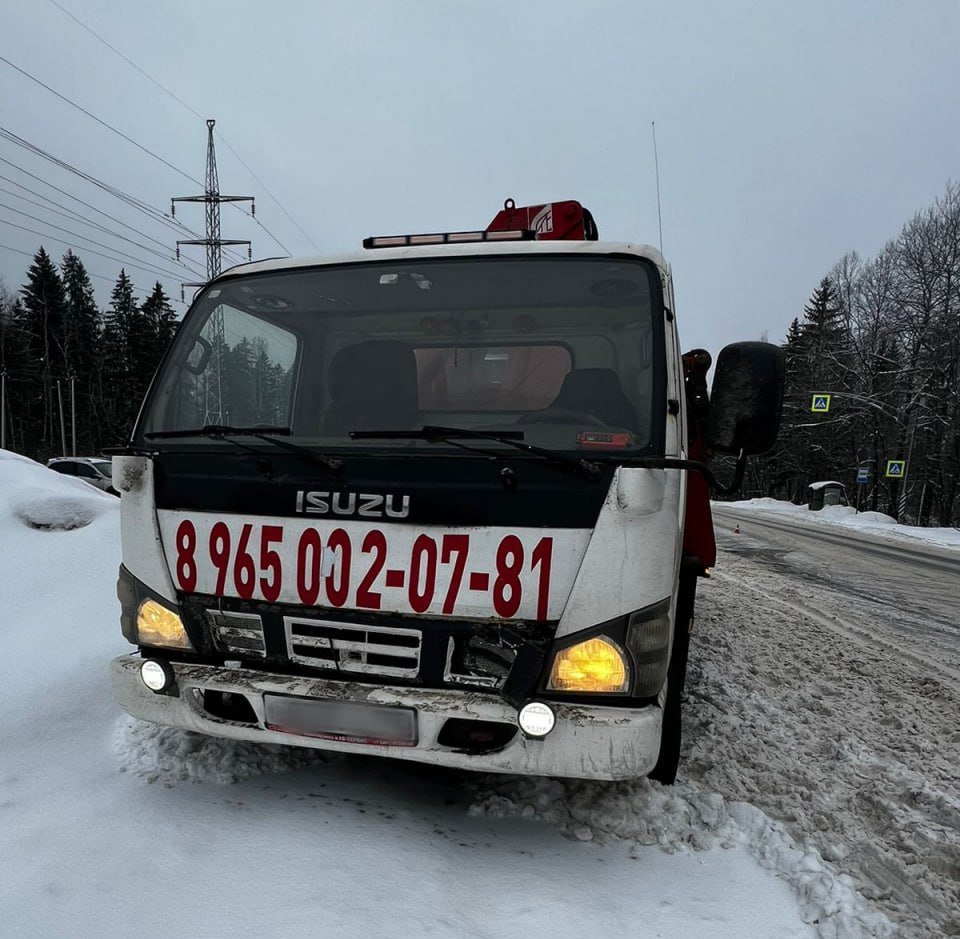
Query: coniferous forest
[[67, 363]]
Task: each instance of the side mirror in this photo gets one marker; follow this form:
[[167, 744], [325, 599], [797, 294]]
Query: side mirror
[[196, 361], [747, 398]]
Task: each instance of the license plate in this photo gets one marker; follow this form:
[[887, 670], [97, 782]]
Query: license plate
[[345, 721]]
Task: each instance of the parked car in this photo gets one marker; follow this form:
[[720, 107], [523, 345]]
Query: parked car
[[91, 469]]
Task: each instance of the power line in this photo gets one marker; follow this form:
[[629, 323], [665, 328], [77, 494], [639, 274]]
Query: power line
[[72, 216], [111, 280], [139, 265], [99, 244], [129, 62], [184, 104], [100, 121], [271, 195], [106, 187], [69, 195], [133, 201]]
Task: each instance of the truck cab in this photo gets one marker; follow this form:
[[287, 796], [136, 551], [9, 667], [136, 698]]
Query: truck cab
[[427, 501]]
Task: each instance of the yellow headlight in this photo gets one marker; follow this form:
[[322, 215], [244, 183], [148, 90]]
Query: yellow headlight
[[158, 626], [596, 665]]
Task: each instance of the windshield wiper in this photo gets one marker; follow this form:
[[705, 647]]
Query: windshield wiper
[[511, 438], [265, 433]]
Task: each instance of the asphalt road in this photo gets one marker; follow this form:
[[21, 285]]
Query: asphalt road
[[825, 689], [919, 585]]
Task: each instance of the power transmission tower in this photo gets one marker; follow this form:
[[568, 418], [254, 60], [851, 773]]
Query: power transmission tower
[[214, 244]]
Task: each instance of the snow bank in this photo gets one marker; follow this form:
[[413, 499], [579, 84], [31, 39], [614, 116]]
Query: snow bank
[[846, 516], [42, 499], [169, 756], [685, 817]]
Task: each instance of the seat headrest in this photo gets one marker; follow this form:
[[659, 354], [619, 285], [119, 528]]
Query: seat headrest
[[373, 385], [597, 391]]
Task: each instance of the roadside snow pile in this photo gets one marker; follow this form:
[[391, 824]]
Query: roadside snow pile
[[672, 817], [846, 516], [48, 501], [168, 755], [685, 817]]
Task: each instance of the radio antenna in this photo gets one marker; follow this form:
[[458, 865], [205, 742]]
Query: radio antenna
[[656, 165]]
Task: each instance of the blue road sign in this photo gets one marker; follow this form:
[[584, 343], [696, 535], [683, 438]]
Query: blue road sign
[[820, 403], [863, 474], [896, 469]]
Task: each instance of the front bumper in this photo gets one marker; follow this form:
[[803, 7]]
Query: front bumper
[[588, 742]]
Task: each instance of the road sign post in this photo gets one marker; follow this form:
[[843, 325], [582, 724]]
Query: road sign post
[[863, 477]]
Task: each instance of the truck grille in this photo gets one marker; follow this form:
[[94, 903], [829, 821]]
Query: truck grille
[[239, 633], [349, 647]]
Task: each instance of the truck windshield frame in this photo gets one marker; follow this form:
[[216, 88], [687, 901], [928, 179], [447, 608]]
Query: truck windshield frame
[[563, 347]]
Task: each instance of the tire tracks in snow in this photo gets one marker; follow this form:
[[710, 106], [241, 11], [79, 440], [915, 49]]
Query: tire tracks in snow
[[804, 704]]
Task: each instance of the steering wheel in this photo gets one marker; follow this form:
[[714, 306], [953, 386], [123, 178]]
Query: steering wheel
[[561, 416]]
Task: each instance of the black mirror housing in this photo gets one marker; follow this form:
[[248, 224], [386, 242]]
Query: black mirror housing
[[747, 398]]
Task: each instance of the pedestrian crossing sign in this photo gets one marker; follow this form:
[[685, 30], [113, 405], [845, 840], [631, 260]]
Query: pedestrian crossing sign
[[820, 403], [896, 469]]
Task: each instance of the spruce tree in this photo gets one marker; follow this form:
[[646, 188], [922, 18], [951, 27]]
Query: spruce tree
[[159, 314], [824, 331], [15, 367], [117, 391], [82, 337], [43, 321]]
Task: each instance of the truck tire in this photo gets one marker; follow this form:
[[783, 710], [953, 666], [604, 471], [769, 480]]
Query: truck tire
[[669, 757]]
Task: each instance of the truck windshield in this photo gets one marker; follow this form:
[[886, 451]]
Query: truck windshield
[[566, 349]]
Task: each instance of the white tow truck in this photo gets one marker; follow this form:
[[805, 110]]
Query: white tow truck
[[443, 500]]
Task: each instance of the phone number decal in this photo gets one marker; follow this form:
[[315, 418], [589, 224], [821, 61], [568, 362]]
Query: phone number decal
[[453, 572]]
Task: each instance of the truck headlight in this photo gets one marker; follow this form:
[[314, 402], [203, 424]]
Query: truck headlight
[[159, 626], [596, 665]]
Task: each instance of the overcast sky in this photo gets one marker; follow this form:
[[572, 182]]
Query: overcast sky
[[788, 133]]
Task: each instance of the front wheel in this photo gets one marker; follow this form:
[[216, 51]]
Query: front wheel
[[669, 758]]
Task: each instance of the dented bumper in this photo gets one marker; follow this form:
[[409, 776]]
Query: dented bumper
[[587, 742]]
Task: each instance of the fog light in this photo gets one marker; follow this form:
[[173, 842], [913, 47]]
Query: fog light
[[536, 719], [159, 626], [595, 665], [155, 675]]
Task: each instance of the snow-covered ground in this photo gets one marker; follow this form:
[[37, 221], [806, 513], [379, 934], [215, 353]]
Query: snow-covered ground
[[109, 827]]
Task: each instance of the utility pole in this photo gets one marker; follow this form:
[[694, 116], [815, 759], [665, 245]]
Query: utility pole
[[214, 244], [3, 408], [63, 425], [73, 415]]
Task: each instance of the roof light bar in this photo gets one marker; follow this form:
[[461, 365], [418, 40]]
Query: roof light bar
[[520, 234], [448, 238]]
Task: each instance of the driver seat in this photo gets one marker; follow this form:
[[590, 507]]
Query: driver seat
[[596, 391], [373, 386]]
